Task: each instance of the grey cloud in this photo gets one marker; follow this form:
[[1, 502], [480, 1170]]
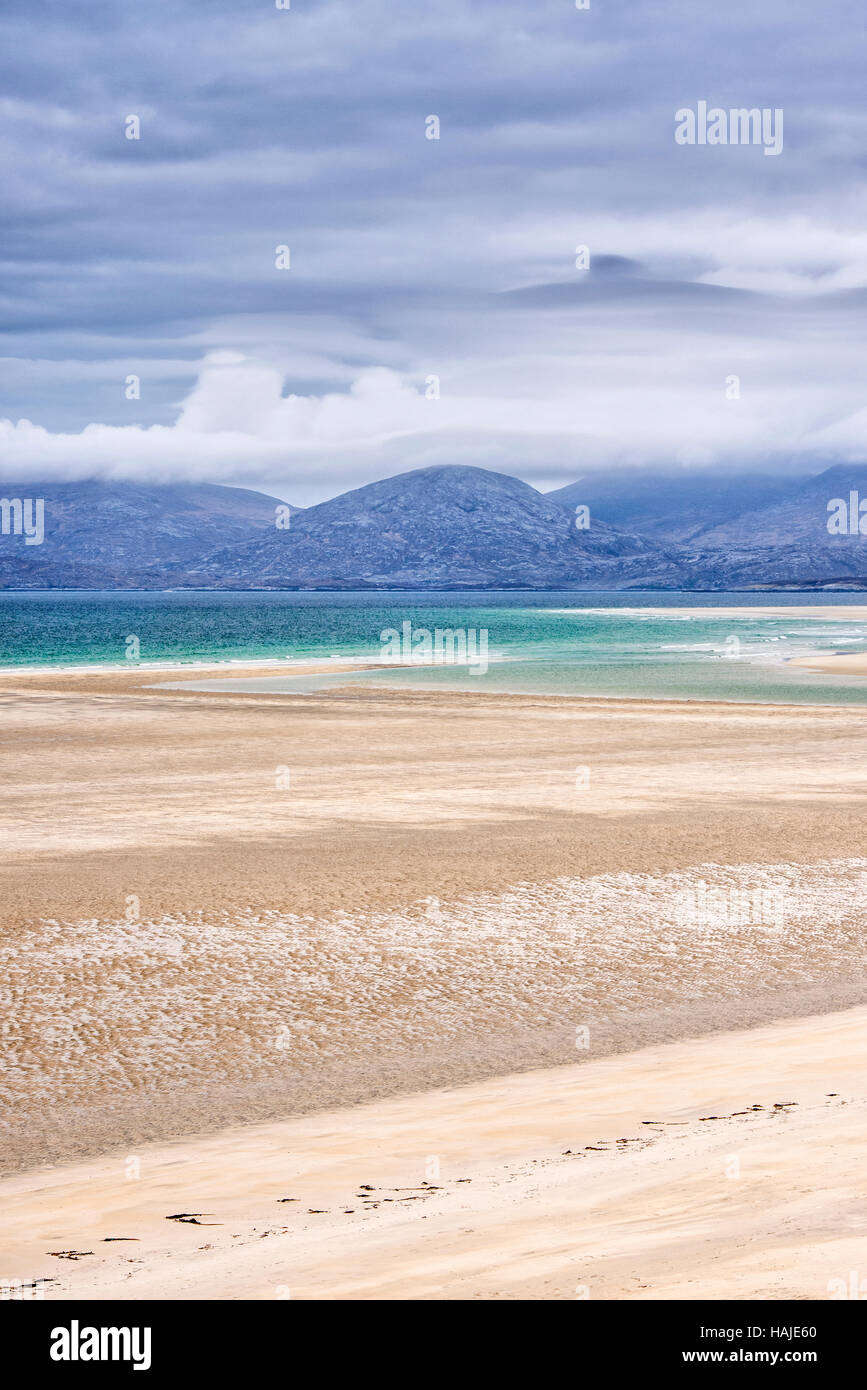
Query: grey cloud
[[452, 257]]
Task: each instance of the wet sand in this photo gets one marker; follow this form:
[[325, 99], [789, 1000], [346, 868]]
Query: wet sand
[[229, 908]]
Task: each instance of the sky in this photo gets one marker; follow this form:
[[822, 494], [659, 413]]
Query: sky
[[435, 307]]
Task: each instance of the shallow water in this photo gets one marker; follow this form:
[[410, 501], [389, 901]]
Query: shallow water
[[556, 643]]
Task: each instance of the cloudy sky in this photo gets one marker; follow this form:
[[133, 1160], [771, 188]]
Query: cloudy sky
[[414, 258]]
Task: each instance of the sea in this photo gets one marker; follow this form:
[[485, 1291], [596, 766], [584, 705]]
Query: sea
[[638, 645]]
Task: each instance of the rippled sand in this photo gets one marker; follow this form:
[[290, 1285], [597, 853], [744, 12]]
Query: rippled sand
[[291, 1011], [223, 908]]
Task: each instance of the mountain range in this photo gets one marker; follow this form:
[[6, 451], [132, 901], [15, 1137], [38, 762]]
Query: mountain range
[[446, 527]]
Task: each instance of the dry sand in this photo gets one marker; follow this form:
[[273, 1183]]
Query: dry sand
[[223, 909], [834, 663], [833, 612], [730, 1167]]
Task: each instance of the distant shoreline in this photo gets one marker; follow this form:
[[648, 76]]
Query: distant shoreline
[[557, 589], [833, 663]]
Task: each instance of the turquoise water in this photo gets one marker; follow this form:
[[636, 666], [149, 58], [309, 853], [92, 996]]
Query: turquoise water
[[557, 643]]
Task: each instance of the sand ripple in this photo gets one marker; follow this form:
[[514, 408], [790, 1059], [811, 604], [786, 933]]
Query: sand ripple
[[99, 1011]]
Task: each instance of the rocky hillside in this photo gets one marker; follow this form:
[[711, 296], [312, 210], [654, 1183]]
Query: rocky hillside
[[127, 535], [446, 527], [672, 507]]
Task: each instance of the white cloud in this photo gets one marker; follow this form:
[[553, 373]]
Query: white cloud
[[543, 418]]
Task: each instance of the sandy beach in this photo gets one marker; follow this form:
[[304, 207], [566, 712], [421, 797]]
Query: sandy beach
[[433, 675], [729, 1167], [835, 663], [833, 612], [419, 921]]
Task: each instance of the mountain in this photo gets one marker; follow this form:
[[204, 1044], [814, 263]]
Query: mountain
[[672, 507], [788, 542], [800, 514], [448, 527], [127, 534], [748, 531]]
